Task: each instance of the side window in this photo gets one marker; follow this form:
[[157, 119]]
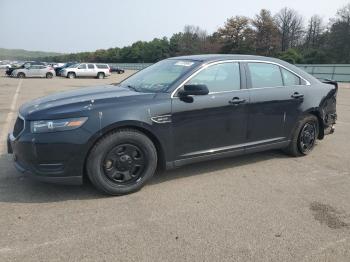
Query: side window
[[219, 78], [101, 66], [289, 78], [82, 66], [265, 75], [91, 66]]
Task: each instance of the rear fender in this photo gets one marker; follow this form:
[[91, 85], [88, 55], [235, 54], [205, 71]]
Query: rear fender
[[328, 109], [328, 105]]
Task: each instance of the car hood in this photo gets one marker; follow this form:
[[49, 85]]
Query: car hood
[[84, 99]]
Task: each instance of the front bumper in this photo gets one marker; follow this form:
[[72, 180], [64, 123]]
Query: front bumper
[[48, 161]]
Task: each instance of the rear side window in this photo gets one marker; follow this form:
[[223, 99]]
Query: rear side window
[[265, 75], [102, 66], [91, 66], [290, 79], [219, 78]]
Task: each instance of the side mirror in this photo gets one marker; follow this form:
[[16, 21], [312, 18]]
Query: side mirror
[[195, 90]]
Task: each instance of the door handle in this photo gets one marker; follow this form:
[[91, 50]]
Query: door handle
[[297, 95], [236, 101]]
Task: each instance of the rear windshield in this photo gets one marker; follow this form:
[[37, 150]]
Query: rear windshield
[[102, 66]]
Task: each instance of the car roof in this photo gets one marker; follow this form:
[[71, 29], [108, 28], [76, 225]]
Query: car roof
[[219, 57], [222, 57]]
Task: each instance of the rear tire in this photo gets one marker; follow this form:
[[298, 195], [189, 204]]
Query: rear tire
[[21, 75], [71, 75], [49, 75], [304, 137], [100, 75], [121, 162]]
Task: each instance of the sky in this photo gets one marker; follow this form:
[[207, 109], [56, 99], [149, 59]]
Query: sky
[[86, 25]]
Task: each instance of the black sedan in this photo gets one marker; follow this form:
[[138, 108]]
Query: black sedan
[[175, 112], [118, 70]]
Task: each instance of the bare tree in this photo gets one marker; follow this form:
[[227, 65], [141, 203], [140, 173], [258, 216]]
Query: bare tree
[[314, 32], [343, 14], [290, 25]]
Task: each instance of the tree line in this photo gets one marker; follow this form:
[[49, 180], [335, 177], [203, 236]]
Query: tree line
[[286, 35]]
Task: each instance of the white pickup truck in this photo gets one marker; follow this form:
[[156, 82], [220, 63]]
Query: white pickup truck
[[86, 70]]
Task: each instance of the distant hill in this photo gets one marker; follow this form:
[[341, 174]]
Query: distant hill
[[21, 54]]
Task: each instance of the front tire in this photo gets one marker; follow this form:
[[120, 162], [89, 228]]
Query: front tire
[[49, 75], [122, 162], [21, 75], [71, 75], [304, 137]]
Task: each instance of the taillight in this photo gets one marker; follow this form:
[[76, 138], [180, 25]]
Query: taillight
[[110, 70]]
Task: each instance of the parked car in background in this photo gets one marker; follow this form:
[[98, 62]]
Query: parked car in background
[[178, 111], [34, 71], [5, 66], [86, 70], [115, 69], [24, 65], [61, 67]]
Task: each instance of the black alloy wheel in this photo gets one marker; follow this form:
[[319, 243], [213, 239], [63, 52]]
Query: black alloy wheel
[[124, 164], [307, 137], [121, 162]]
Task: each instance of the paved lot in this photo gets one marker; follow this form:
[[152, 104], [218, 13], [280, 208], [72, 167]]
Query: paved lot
[[262, 207]]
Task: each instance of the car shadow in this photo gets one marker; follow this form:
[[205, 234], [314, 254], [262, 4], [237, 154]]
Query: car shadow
[[18, 188]]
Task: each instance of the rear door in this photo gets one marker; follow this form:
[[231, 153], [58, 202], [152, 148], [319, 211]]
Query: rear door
[[91, 71], [276, 96], [42, 70], [213, 123]]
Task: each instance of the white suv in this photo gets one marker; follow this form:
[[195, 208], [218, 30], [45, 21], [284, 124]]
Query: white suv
[[86, 70]]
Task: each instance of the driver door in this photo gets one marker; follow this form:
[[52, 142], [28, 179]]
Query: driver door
[[32, 71], [82, 70], [213, 123]]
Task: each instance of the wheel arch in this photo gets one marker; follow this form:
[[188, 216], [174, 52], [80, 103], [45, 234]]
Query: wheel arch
[[20, 73], [135, 125], [71, 72], [317, 113]]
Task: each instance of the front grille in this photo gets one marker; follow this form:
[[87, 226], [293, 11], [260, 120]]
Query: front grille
[[19, 126]]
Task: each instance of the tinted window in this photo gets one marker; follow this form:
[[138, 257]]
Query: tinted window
[[102, 66], [82, 66], [289, 78], [219, 78], [265, 75], [91, 66]]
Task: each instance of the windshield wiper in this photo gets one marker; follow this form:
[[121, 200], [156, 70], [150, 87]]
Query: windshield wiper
[[132, 88]]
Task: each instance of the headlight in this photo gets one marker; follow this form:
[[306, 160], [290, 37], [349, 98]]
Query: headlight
[[46, 126]]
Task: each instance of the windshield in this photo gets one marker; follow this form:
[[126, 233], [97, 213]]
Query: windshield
[[158, 77], [73, 66]]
